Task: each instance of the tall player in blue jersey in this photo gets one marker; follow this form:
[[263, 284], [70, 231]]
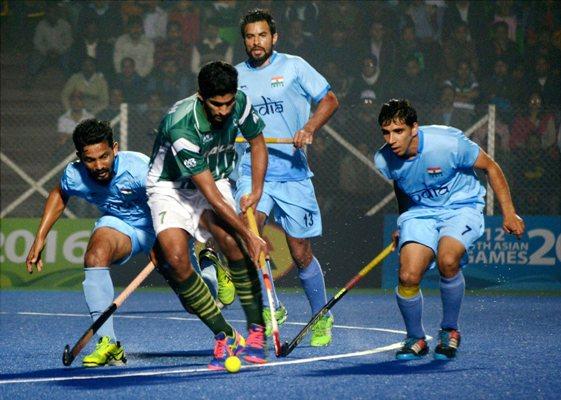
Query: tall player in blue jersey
[[281, 87], [115, 183], [440, 204]]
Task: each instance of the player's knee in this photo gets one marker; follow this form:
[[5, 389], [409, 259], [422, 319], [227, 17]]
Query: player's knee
[[409, 279], [448, 264], [301, 252], [97, 257]]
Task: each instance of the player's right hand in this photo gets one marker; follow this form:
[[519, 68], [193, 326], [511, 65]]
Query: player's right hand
[[34, 256], [395, 238], [255, 246]]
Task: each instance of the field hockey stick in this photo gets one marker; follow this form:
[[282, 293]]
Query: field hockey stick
[[288, 347], [69, 355], [267, 279], [271, 140]]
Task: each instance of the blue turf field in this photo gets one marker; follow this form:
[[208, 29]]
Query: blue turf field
[[510, 350]]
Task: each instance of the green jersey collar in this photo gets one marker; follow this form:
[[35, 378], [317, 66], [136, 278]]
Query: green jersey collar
[[201, 122]]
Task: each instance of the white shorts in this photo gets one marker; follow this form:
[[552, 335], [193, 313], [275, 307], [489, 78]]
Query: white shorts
[[183, 208]]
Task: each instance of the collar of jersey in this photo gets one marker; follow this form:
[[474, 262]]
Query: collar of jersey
[[201, 122], [273, 57], [421, 141]]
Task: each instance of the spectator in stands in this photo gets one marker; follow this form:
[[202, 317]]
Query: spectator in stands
[[169, 83], [466, 93], [499, 47], [210, 48], [381, 46], [297, 43], [444, 112], [144, 130], [90, 44], [105, 15], [543, 46], [134, 44], [546, 83], [188, 15], [535, 182], [155, 21], [498, 89], [368, 83], [535, 122], [410, 47], [471, 13], [51, 41], [336, 49], [173, 48], [91, 84], [225, 14], [415, 85], [427, 16], [132, 85], [340, 80], [72, 117], [306, 11], [459, 46], [116, 98], [504, 12]]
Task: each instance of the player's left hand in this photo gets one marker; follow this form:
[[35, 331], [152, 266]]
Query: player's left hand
[[249, 200], [303, 137], [514, 224]]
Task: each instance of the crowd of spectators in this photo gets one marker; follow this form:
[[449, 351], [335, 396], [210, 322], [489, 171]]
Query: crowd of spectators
[[450, 58]]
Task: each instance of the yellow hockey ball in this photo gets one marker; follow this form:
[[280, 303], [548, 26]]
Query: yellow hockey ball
[[232, 364]]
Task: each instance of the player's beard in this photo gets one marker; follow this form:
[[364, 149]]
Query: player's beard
[[102, 176], [259, 61]]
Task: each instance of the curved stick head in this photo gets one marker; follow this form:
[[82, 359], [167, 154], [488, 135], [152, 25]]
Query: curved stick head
[[283, 350], [67, 356]]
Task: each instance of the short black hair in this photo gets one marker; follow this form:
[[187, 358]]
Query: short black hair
[[217, 78], [397, 110], [92, 131], [257, 15]]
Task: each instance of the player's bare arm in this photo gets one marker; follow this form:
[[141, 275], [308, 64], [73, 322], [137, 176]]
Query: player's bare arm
[[325, 109], [512, 223], [259, 161], [56, 203], [205, 183]]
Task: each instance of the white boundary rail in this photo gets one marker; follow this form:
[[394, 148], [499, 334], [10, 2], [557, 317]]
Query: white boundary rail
[[37, 186]]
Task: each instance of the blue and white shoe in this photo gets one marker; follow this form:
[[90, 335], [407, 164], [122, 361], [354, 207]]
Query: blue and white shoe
[[413, 349], [448, 343]]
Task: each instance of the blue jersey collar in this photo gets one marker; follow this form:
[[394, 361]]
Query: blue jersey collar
[[421, 141]]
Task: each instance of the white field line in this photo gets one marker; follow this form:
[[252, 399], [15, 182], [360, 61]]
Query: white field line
[[183, 371]]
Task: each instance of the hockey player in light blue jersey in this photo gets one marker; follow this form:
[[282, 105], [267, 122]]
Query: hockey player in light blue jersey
[[115, 183], [282, 88], [440, 204]]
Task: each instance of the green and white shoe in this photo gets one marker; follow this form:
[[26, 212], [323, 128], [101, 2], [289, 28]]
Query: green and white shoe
[[106, 352], [226, 289], [281, 314], [321, 332]]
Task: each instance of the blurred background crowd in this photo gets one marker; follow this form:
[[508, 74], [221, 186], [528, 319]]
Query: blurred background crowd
[[64, 61]]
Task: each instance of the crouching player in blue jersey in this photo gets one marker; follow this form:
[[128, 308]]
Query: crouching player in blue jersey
[[440, 204], [114, 182], [282, 86]]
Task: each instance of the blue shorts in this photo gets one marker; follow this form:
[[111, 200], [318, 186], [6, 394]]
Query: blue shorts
[[293, 205], [428, 226], [141, 240]]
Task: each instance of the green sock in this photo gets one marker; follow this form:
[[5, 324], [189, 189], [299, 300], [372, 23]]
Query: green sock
[[197, 299], [246, 281]]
